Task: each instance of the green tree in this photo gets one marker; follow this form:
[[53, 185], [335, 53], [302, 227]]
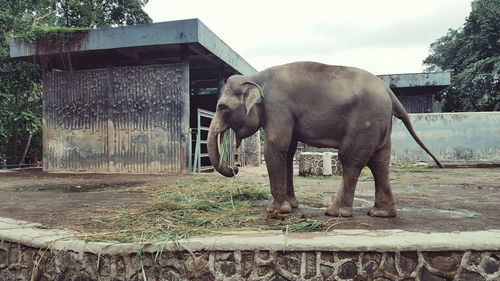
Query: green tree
[[101, 13], [20, 82], [472, 55]]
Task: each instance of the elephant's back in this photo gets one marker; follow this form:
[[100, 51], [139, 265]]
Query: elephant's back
[[330, 102], [335, 86]]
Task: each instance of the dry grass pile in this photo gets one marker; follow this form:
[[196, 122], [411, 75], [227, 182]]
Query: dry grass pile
[[193, 206], [196, 205]]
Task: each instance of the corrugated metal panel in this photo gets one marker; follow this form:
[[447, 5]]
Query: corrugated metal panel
[[75, 121], [146, 118], [124, 119]]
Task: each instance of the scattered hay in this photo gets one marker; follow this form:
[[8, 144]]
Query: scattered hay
[[193, 206]]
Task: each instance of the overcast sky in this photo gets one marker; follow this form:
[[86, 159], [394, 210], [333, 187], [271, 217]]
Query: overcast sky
[[383, 36]]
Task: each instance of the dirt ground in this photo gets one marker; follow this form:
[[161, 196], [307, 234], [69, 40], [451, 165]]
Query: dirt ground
[[427, 199]]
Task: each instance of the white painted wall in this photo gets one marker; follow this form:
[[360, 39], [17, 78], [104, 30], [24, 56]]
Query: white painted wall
[[463, 138]]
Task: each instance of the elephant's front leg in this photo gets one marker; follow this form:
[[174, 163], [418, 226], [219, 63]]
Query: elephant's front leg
[[276, 161]]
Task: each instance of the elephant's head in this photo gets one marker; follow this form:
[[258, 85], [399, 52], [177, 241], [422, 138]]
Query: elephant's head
[[239, 108]]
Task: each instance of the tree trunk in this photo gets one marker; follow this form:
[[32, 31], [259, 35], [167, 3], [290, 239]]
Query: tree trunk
[[26, 147]]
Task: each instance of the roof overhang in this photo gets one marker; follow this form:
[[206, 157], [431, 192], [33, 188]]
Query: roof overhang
[[410, 80], [155, 43], [416, 84]]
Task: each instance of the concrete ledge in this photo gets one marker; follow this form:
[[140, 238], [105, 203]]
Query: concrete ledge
[[340, 254], [31, 234]]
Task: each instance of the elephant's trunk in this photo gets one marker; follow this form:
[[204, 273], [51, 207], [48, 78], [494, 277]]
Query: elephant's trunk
[[213, 150]]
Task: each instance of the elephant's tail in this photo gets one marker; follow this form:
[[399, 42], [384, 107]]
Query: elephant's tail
[[399, 111]]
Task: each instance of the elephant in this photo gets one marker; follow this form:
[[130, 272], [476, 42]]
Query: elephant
[[321, 105]]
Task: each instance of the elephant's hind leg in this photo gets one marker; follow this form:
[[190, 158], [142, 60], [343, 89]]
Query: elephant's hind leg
[[345, 197], [290, 193], [384, 200]]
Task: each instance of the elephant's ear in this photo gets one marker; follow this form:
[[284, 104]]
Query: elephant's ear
[[252, 96]]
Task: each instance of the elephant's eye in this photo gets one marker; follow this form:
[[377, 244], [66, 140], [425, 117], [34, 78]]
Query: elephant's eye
[[222, 107]]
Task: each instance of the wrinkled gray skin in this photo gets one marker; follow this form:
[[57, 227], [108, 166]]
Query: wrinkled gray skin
[[320, 105]]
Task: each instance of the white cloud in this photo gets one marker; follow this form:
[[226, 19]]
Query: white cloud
[[385, 36]]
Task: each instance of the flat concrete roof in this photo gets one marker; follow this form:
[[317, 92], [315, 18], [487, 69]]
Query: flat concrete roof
[[140, 44], [409, 80]]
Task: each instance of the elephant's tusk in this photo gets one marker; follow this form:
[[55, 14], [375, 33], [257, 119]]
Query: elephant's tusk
[[218, 142]]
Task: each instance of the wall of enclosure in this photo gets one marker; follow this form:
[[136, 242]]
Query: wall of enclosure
[[455, 138], [121, 119]]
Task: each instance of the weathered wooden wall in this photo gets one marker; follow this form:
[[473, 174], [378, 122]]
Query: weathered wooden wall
[[122, 119]]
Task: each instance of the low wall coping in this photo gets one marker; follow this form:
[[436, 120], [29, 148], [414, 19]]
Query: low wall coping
[[389, 240], [318, 153]]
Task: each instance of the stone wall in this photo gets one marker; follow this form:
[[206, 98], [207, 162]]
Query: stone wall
[[18, 262], [30, 252], [253, 150], [311, 164]]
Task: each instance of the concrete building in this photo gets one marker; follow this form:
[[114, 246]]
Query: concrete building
[[416, 90], [119, 99]]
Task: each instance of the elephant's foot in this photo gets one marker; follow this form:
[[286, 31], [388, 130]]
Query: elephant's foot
[[335, 211], [293, 202], [387, 212], [280, 207]]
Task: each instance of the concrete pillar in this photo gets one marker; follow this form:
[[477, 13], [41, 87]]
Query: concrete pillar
[[252, 150], [327, 163]]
